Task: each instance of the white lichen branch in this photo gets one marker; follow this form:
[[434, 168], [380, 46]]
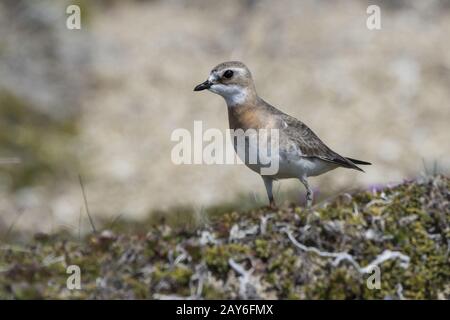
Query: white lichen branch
[[245, 278], [344, 256]]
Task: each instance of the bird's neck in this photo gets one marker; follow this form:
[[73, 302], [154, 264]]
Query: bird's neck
[[246, 96], [246, 115]]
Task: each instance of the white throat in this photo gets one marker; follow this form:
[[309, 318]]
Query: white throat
[[233, 94]]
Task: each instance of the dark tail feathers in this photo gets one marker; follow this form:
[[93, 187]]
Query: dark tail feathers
[[359, 162]]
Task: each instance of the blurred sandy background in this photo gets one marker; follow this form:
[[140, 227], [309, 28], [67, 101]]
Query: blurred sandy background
[[103, 101]]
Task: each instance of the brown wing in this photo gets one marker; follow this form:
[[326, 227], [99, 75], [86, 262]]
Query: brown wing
[[310, 144], [307, 141]]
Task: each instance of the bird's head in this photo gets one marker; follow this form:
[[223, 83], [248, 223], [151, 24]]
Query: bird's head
[[232, 80]]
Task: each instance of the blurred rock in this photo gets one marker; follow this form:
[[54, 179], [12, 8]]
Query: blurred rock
[[125, 82]]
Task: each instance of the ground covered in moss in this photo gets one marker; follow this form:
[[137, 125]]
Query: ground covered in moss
[[339, 249]]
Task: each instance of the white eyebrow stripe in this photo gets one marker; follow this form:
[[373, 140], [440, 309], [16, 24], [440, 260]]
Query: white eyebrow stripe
[[214, 76]]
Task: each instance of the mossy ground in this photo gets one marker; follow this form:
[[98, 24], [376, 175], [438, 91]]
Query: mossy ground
[[249, 254]]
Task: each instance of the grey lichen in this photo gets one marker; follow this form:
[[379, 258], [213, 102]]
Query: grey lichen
[[327, 252]]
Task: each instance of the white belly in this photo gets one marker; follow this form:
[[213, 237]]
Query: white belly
[[305, 166], [298, 167], [291, 164]]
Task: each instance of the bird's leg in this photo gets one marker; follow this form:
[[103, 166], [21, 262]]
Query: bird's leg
[[268, 182], [309, 192]]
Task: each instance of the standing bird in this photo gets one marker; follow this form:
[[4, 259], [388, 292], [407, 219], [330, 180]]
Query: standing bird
[[301, 153]]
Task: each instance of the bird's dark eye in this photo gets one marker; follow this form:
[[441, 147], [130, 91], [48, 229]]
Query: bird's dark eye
[[228, 74]]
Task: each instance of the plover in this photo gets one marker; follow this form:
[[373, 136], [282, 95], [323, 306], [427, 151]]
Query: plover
[[301, 153]]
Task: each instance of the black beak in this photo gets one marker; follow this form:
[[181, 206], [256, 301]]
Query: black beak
[[202, 86]]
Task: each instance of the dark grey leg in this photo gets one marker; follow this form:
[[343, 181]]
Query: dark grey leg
[[268, 183], [309, 192]]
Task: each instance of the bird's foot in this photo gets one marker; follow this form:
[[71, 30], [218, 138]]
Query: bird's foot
[[272, 206]]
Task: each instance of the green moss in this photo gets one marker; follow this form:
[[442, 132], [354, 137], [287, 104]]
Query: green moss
[[263, 248], [176, 280], [217, 257], [210, 292], [411, 218]]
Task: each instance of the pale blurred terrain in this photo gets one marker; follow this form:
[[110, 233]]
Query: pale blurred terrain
[[115, 90]]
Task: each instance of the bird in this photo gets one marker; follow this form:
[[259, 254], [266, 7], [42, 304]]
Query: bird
[[301, 153]]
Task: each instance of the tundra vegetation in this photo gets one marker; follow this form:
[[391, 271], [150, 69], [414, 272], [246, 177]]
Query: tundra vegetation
[[290, 253]]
